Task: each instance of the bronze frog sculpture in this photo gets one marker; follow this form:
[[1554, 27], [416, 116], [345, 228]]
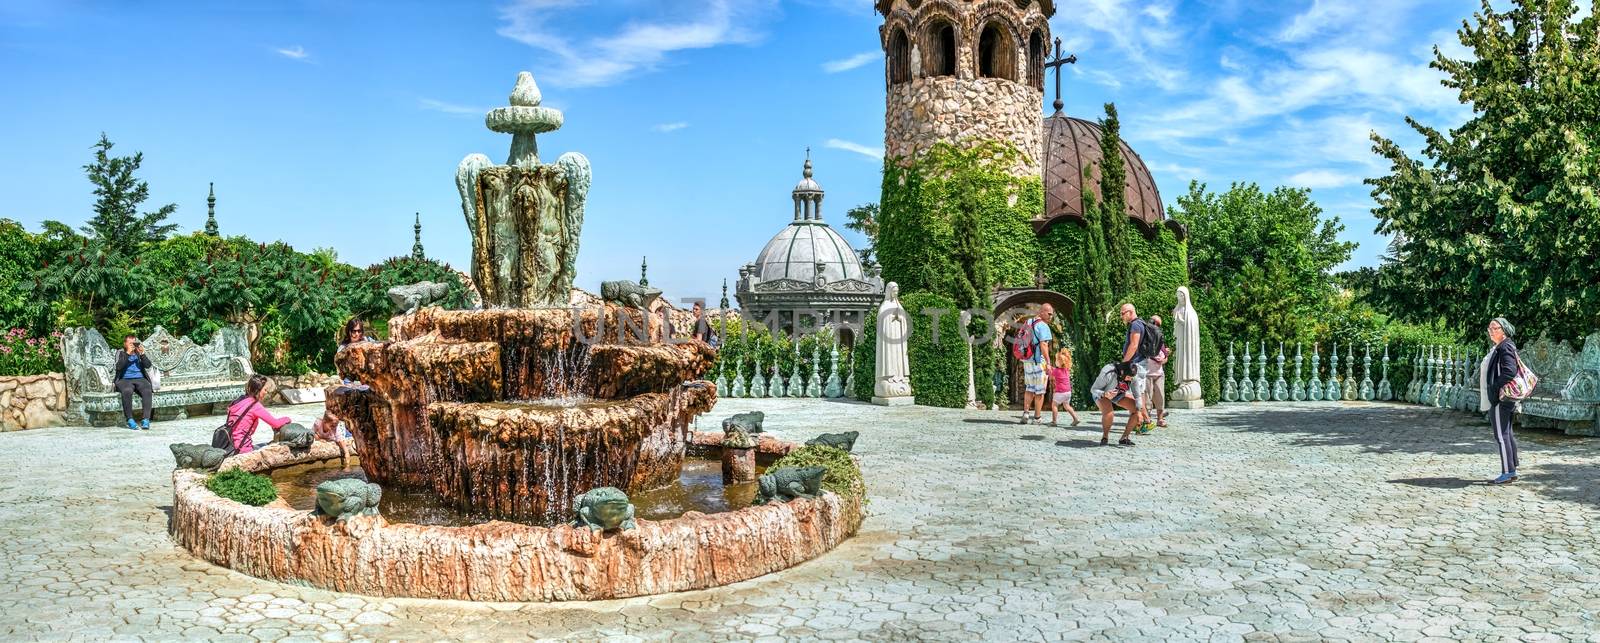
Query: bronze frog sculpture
[[628, 293], [737, 438], [749, 422], [347, 497], [841, 441], [787, 483], [411, 298], [198, 456], [295, 436], [603, 509]]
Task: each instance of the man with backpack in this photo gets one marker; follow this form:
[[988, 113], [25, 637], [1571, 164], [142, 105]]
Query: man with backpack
[[1031, 346], [1142, 343]]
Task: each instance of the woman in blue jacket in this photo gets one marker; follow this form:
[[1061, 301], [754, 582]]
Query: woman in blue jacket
[[131, 375], [1499, 367]]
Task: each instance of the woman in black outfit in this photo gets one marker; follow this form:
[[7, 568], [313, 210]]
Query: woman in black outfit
[[1499, 367]]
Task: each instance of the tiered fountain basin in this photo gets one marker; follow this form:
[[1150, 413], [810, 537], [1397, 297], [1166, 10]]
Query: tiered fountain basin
[[502, 417], [498, 560], [513, 413]]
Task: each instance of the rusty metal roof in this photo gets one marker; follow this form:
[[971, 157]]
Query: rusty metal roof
[[1072, 144]]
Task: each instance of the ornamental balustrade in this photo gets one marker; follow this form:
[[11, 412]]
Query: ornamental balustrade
[[1442, 376]]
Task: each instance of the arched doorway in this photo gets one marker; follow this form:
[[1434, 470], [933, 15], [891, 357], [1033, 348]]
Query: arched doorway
[[1013, 306], [997, 53], [941, 52], [899, 57]]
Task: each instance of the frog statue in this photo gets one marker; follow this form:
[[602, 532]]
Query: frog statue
[[628, 293], [749, 422], [603, 509], [198, 456], [787, 483], [296, 437], [736, 437], [347, 497], [841, 441], [410, 298]]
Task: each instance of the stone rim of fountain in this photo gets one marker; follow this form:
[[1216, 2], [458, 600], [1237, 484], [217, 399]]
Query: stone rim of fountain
[[501, 561]]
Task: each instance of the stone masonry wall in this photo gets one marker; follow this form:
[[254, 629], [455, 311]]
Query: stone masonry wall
[[923, 112], [32, 401]]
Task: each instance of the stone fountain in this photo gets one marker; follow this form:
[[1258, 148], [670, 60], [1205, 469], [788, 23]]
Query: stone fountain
[[520, 419], [514, 411]]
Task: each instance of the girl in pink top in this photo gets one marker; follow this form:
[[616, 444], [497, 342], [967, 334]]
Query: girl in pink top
[[1061, 394], [244, 414]]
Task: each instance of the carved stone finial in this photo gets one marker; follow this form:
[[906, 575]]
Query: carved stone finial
[[211, 210], [524, 119], [526, 93]]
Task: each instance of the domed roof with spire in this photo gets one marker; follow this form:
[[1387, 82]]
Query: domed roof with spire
[[807, 262]]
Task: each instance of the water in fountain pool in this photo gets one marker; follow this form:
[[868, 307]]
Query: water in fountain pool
[[698, 488]]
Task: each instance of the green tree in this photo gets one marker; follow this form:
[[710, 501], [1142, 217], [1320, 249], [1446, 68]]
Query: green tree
[[864, 219], [1261, 263], [1114, 203], [117, 222], [1502, 214], [19, 259]]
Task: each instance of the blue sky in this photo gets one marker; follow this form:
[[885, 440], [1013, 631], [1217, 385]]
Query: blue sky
[[328, 123]]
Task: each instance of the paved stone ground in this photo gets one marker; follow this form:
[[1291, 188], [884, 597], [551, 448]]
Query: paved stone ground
[[1269, 522]]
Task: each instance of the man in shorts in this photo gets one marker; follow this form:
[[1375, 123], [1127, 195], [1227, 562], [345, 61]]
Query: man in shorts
[[1034, 378]]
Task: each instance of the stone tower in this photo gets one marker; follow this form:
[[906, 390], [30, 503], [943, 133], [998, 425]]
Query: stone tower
[[959, 70]]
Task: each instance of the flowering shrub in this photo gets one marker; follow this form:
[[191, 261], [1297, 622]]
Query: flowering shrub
[[21, 354]]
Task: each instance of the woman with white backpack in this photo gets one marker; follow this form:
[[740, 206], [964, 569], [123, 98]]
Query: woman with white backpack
[[1502, 382]]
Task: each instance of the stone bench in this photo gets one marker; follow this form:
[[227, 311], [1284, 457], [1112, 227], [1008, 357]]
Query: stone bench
[[1568, 394], [194, 378]]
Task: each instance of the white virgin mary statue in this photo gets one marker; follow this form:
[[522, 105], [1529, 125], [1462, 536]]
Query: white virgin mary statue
[[891, 385], [1186, 340]]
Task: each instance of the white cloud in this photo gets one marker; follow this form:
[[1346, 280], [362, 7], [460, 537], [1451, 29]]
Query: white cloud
[[1322, 179], [869, 152], [449, 108], [1180, 171], [670, 127], [846, 64], [1143, 37], [639, 44], [294, 53]]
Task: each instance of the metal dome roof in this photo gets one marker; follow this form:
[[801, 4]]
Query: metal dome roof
[[1071, 144], [797, 249]]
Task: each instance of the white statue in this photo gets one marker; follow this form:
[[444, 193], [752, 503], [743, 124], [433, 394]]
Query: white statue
[[1186, 341], [891, 382]]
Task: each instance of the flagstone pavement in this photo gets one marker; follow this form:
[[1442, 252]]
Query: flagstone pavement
[[1245, 522]]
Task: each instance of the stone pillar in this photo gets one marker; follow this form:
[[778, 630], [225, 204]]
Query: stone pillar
[[738, 464]]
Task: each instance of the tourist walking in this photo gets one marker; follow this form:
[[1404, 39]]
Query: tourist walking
[[1114, 389], [1032, 347], [1155, 397], [132, 375], [247, 412], [1137, 347], [1061, 386], [1499, 368]]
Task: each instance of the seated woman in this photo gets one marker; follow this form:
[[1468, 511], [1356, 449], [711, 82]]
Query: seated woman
[[247, 412], [354, 331]]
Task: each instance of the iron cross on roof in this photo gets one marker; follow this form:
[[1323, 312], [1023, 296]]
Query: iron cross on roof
[[1057, 64]]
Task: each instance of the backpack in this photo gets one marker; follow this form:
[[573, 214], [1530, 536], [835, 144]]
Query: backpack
[[222, 437], [1024, 345], [1521, 385], [1151, 341]]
